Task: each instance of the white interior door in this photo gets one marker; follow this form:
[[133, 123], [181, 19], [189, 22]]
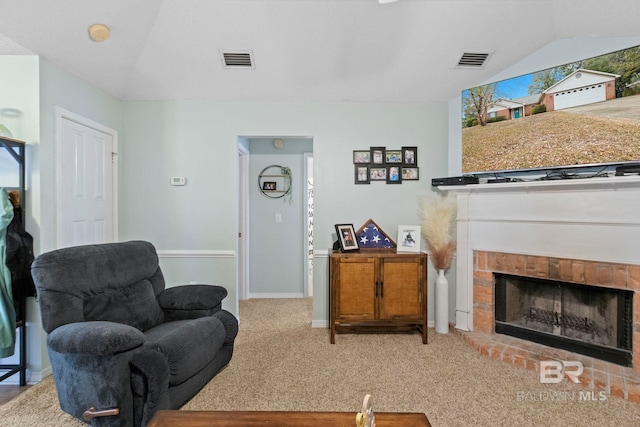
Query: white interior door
[[86, 192]]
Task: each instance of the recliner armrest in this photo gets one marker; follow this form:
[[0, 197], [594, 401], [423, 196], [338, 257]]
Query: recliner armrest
[[94, 338], [191, 301]]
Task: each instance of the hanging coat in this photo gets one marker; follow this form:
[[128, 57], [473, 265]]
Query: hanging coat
[[19, 257], [7, 310]]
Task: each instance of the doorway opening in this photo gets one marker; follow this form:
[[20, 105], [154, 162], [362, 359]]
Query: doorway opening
[[275, 247]]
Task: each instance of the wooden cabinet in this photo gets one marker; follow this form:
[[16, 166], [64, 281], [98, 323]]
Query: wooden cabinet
[[378, 290]]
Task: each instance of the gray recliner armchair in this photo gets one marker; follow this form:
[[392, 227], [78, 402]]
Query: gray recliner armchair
[[122, 346]]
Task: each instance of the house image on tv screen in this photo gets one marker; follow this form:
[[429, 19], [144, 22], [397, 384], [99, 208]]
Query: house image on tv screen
[[582, 87]]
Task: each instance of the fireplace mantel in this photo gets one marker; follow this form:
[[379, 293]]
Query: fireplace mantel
[[617, 182], [590, 219]]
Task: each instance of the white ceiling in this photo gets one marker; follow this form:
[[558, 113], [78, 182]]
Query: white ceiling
[[304, 50]]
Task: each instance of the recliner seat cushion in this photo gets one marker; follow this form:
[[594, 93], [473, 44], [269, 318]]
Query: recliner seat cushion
[[134, 305], [188, 345]]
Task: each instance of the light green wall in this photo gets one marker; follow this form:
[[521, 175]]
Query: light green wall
[[199, 140], [277, 249]]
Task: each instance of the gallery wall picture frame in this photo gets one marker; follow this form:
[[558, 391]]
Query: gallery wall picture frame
[[362, 174], [347, 237], [361, 156], [377, 155], [378, 173], [409, 237], [410, 173], [393, 157], [394, 175], [410, 156]]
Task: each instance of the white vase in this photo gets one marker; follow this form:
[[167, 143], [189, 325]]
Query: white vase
[[442, 303]]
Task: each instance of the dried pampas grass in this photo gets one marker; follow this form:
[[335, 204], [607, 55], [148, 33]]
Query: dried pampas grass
[[438, 216]]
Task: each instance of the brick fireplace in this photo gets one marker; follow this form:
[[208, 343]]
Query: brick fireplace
[[583, 231], [583, 272]]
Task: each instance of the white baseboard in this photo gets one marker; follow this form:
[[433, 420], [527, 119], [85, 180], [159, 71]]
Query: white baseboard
[[33, 377], [324, 324], [272, 295]]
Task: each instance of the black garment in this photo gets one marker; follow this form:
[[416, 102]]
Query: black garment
[[20, 257]]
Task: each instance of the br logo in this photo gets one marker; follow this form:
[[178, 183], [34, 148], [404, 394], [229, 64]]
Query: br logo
[[552, 371]]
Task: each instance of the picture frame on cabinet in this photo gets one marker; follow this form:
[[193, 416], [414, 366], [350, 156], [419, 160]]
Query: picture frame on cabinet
[[409, 237], [410, 174], [362, 174], [347, 237]]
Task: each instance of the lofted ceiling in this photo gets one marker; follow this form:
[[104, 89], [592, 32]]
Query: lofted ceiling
[[301, 50]]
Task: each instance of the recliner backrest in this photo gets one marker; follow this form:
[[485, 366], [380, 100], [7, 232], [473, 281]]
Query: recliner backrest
[[113, 281]]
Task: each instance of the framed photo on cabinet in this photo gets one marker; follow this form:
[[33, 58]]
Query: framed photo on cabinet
[[409, 238], [347, 237]]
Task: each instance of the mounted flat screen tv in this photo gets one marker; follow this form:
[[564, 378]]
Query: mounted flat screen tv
[[581, 116]]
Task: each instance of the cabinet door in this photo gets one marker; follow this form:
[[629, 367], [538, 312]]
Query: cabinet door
[[400, 296], [355, 289]]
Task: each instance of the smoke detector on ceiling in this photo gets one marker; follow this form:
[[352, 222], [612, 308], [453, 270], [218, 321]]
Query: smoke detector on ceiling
[[99, 32]]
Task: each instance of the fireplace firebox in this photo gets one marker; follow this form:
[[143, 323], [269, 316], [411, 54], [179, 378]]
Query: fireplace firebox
[[589, 320]]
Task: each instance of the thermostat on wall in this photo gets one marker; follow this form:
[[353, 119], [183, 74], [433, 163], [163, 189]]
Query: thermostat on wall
[[178, 180]]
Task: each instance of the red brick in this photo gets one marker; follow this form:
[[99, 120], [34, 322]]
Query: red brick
[[590, 272], [565, 269], [617, 387], [483, 294], [633, 393], [577, 271], [483, 321], [484, 275], [634, 277], [481, 260], [605, 274], [620, 273]]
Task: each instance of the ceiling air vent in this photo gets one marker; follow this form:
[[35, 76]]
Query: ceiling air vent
[[473, 60], [238, 59]]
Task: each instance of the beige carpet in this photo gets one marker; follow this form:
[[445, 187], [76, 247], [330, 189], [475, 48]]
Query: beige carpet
[[281, 363]]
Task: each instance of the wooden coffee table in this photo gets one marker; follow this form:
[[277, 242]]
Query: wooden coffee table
[[280, 419]]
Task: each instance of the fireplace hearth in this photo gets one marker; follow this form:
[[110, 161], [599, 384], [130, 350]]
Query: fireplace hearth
[[590, 320]]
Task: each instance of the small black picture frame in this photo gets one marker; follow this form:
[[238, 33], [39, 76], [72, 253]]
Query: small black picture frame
[[269, 186], [394, 175], [377, 155], [393, 157], [377, 173], [361, 157], [410, 173], [347, 237], [410, 156], [361, 174]]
